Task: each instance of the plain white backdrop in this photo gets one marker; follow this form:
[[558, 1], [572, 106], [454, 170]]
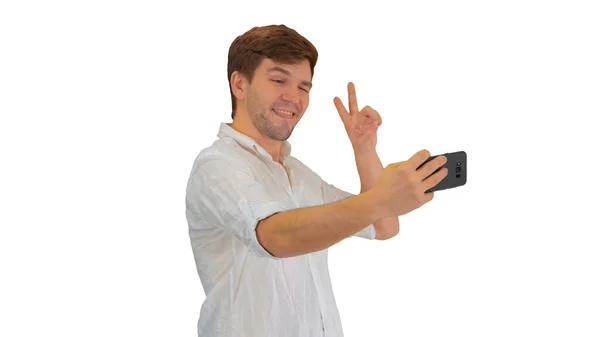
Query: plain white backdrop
[[104, 106]]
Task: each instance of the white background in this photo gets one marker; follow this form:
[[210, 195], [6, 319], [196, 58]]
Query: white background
[[104, 106]]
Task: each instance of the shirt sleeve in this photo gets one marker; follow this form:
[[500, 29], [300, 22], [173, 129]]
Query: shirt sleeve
[[226, 195], [332, 194]]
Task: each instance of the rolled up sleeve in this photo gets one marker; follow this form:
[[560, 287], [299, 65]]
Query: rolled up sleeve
[[228, 196]]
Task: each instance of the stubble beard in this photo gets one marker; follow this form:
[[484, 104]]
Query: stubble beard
[[259, 116]]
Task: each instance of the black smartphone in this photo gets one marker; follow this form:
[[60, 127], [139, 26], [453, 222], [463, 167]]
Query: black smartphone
[[457, 171]]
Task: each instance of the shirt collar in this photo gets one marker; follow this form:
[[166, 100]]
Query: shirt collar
[[225, 130]]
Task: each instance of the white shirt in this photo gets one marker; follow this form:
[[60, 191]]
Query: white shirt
[[234, 183]]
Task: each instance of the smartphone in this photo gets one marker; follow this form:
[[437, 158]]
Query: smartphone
[[457, 171]]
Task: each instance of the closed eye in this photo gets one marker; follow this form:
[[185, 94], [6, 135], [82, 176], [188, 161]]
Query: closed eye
[[283, 81]]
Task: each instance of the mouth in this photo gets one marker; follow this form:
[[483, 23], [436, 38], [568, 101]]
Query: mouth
[[286, 114]]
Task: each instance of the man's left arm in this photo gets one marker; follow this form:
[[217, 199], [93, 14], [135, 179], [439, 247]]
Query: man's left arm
[[361, 126], [369, 169]]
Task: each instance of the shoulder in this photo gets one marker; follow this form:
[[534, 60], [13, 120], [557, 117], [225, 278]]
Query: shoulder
[[223, 154], [220, 164]]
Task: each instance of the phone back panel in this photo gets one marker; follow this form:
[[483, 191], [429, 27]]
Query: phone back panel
[[457, 171]]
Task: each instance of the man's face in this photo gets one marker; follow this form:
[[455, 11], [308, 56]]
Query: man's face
[[278, 97]]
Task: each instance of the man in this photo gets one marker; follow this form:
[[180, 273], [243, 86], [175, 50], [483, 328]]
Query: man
[[260, 221]]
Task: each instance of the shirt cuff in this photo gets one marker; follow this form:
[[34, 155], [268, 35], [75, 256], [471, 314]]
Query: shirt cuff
[[367, 232], [260, 212]]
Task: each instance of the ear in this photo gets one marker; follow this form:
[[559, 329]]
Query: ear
[[238, 85]]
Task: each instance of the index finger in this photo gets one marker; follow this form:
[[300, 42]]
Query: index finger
[[418, 159], [340, 108], [352, 104]]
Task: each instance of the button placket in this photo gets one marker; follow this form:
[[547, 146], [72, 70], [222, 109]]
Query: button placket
[[281, 170], [317, 283]]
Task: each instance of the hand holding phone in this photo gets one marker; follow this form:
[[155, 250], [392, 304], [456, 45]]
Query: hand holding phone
[[405, 186], [456, 165]]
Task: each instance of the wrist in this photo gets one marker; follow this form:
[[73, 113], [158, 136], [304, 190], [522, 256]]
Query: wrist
[[372, 205], [365, 153]]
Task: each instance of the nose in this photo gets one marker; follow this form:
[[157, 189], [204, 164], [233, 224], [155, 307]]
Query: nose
[[291, 96]]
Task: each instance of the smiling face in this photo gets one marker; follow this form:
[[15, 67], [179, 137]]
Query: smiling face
[[276, 98]]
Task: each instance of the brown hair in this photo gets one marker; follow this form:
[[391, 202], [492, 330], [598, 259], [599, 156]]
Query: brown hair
[[276, 42]]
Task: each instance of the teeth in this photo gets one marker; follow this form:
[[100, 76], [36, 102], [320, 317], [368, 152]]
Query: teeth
[[284, 112]]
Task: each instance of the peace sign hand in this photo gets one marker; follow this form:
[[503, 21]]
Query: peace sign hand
[[362, 125]]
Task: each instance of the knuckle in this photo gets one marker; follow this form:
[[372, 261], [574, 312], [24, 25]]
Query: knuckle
[[403, 171], [418, 194], [413, 181]]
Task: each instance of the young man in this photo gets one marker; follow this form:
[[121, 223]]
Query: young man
[[260, 221]]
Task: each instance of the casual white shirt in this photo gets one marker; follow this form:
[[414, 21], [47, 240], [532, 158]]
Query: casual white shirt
[[234, 183]]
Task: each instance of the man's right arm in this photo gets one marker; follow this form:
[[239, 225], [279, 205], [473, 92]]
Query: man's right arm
[[306, 230], [400, 188], [223, 194]]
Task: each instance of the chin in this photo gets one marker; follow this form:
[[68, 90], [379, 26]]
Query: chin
[[280, 133], [283, 137]]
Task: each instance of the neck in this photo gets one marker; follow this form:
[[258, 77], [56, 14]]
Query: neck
[[243, 125]]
